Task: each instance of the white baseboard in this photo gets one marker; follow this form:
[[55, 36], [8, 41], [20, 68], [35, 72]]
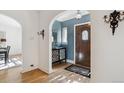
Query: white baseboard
[[70, 61], [44, 70], [36, 67], [29, 69]]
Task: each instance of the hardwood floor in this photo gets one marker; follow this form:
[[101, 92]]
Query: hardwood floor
[[59, 75], [17, 56]]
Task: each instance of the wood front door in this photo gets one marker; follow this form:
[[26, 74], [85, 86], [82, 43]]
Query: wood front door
[[82, 51]]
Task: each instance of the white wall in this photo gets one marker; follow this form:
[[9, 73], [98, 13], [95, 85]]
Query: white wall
[[46, 17], [30, 26], [13, 38], [107, 50], [107, 53]]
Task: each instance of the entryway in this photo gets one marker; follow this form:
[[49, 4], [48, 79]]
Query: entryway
[[73, 35]]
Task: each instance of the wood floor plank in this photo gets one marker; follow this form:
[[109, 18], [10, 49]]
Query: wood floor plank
[[59, 75]]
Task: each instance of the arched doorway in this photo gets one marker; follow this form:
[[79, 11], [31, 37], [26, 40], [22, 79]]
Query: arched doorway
[[11, 42], [66, 15]]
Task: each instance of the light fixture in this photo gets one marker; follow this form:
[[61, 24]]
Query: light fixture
[[78, 15], [41, 33], [113, 19]]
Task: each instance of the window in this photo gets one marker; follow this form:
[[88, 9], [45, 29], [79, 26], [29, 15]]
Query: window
[[85, 35], [64, 35]]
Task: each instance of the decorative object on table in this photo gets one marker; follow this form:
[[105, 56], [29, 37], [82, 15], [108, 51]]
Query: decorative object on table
[[3, 40], [113, 19], [41, 33], [79, 70]]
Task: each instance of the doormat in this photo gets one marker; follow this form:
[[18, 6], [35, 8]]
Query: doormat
[[79, 70]]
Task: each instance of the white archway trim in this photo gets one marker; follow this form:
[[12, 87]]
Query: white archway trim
[[50, 39], [50, 36]]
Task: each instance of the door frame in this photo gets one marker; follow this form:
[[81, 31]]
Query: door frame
[[75, 37]]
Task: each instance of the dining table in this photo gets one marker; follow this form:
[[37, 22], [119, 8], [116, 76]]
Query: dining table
[[4, 51]]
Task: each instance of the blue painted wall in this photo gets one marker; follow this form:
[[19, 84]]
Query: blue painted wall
[[57, 30], [70, 37]]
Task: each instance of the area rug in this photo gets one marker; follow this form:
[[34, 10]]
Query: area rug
[[11, 63], [79, 70]]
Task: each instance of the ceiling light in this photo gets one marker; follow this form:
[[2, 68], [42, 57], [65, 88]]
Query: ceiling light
[[78, 15]]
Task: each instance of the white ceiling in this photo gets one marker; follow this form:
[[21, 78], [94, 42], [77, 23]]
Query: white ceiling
[[70, 14]]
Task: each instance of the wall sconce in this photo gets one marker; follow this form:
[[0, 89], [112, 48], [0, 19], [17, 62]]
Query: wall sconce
[[113, 19], [41, 33]]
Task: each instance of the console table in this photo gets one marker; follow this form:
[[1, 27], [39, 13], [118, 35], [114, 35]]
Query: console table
[[58, 54]]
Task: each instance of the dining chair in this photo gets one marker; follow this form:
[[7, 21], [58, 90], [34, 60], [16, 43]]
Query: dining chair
[[2, 56], [8, 49]]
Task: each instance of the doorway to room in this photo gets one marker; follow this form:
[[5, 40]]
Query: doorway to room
[[10, 42], [66, 37]]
